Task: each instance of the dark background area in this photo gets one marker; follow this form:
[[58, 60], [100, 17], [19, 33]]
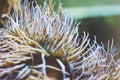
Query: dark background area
[[102, 29]]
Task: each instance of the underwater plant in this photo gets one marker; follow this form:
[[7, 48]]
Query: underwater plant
[[38, 43]]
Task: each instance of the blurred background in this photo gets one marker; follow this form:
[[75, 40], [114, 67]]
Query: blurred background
[[98, 17]]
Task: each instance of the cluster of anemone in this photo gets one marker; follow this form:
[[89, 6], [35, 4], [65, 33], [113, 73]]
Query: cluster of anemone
[[38, 43]]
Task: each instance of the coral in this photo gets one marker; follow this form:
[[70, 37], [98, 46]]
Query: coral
[[39, 44]]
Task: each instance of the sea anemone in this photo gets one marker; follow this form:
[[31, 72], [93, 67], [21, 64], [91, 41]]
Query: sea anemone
[[38, 43]]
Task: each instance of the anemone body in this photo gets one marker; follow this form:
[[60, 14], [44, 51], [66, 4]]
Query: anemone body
[[39, 44]]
